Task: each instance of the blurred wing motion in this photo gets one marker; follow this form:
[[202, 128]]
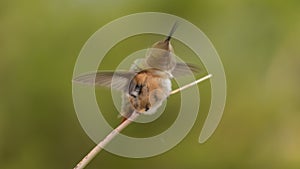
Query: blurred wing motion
[[180, 69], [183, 69], [116, 80]]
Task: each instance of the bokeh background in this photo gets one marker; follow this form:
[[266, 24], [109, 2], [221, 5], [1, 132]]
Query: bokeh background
[[258, 41]]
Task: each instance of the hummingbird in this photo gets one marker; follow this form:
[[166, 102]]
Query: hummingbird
[[148, 82]]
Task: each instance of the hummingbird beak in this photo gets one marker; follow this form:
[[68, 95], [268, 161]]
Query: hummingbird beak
[[171, 32], [168, 39]]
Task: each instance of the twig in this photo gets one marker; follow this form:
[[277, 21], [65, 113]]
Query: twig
[[191, 84], [86, 160], [105, 141]]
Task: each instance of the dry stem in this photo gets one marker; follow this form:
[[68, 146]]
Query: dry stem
[[86, 160]]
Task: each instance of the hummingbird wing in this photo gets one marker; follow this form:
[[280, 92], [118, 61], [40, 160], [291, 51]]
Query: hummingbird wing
[[117, 80], [182, 69], [139, 65]]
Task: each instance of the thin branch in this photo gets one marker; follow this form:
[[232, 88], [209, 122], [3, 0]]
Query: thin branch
[[191, 84], [86, 160], [105, 141]]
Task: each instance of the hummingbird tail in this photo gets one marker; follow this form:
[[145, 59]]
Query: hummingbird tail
[[123, 119], [175, 25], [126, 116]]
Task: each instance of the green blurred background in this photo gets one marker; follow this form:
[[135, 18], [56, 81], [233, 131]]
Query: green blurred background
[[258, 41]]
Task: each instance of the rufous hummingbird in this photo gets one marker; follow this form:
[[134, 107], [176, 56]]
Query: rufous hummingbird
[[148, 82]]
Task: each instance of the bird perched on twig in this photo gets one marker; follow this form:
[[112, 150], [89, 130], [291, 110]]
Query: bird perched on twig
[[148, 82]]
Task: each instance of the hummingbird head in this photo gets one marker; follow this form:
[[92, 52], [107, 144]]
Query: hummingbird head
[[161, 53], [164, 45]]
